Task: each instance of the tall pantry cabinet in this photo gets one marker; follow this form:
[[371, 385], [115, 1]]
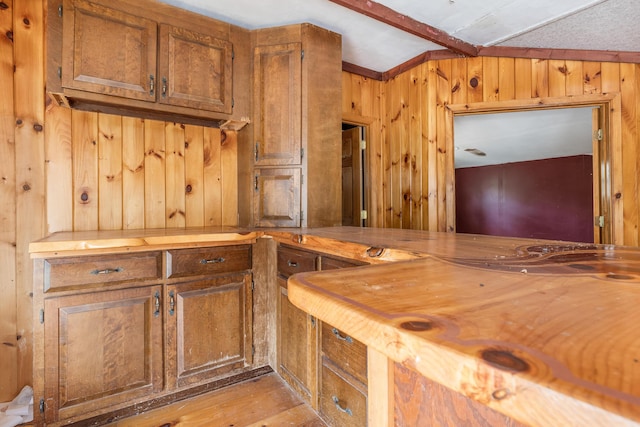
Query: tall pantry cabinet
[[292, 161]]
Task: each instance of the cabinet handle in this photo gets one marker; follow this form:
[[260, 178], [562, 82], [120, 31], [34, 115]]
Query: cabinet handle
[[156, 304], [256, 183], [152, 84], [336, 402], [255, 153], [212, 261], [108, 271], [346, 338], [172, 303], [164, 87], [292, 264]]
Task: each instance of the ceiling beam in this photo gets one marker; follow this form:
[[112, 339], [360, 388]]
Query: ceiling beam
[[405, 23]]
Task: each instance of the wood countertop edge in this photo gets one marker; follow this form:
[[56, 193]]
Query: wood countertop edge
[[525, 399], [52, 247]]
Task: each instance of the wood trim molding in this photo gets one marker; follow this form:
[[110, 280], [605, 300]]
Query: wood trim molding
[[389, 16]]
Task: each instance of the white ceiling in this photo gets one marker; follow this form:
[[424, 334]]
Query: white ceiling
[[369, 43], [522, 136]]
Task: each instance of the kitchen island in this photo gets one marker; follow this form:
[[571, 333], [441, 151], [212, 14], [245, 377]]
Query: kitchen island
[[542, 333]]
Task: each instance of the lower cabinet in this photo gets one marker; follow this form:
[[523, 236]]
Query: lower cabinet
[[326, 367], [119, 330], [208, 328], [101, 350], [343, 390]]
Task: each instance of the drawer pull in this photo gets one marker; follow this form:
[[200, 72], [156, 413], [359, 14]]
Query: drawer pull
[[336, 402], [346, 338], [156, 304], [292, 264], [108, 271], [212, 261]]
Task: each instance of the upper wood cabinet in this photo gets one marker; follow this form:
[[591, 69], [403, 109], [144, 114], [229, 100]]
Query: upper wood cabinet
[[146, 59], [295, 146], [277, 104]]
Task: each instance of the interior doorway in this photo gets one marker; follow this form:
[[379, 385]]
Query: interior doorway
[[605, 127], [354, 145]]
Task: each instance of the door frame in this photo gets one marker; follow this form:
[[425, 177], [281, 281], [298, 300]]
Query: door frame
[[607, 198]]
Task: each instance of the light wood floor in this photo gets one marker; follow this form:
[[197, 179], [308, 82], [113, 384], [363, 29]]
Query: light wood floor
[[260, 402]]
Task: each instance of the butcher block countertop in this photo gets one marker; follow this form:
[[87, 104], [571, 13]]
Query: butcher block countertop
[[547, 333]]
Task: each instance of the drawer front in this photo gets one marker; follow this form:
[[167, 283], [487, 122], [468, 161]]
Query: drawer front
[[73, 272], [291, 261], [341, 404], [347, 353], [206, 261], [330, 263]]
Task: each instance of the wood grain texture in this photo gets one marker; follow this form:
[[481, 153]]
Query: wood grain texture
[[30, 190], [543, 349], [498, 82], [8, 288]]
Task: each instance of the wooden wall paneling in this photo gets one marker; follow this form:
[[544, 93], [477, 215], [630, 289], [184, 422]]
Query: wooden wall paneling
[[522, 78], [347, 99], [610, 73], [133, 173], [592, 77], [539, 78], [212, 177], [575, 79], [84, 127], [413, 158], [394, 128], [475, 81], [174, 176], [229, 173], [194, 175], [459, 84], [491, 79], [154, 174], [110, 172], [630, 153], [506, 79], [29, 91], [430, 215], [356, 96], [8, 330], [367, 96], [557, 78], [444, 150], [59, 169]]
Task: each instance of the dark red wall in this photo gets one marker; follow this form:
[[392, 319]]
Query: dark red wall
[[544, 199]]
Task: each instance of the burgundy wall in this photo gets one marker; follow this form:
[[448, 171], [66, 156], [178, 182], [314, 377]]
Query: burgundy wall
[[544, 199]]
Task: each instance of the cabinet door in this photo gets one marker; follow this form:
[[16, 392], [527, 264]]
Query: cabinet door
[[209, 328], [277, 198], [102, 349], [108, 51], [195, 70], [278, 104], [298, 347]]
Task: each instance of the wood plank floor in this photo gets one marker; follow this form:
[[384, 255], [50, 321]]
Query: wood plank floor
[[260, 402]]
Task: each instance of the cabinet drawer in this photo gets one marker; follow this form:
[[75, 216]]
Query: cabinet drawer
[[347, 353], [67, 273], [330, 263], [206, 261], [341, 404], [291, 261]]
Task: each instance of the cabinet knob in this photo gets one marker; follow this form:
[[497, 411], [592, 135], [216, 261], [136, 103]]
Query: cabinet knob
[[292, 264]]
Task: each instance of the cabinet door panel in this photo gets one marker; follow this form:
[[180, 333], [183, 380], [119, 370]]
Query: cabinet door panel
[[195, 70], [209, 328], [297, 347], [108, 51], [278, 104], [277, 198], [101, 349]]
